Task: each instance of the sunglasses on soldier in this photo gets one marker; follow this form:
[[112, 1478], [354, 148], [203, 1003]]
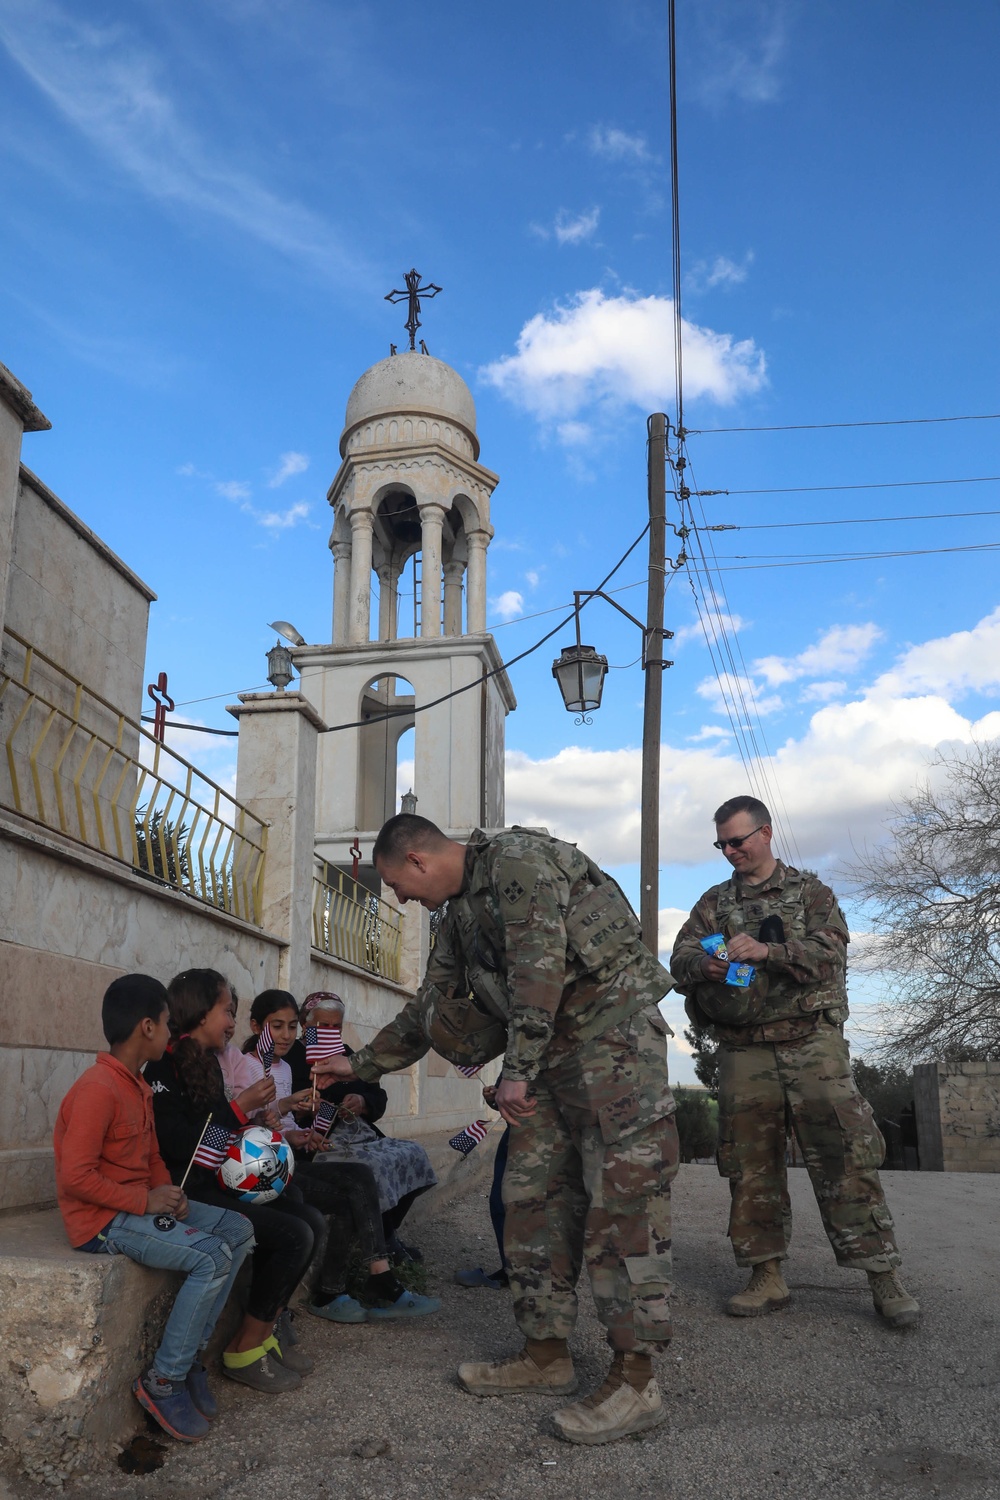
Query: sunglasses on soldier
[[738, 843]]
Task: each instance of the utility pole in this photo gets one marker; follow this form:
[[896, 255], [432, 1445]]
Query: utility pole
[[649, 857]]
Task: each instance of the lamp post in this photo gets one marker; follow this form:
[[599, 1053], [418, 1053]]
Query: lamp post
[[580, 673]]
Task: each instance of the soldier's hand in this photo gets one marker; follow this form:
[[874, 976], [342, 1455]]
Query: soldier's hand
[[512, 1101], [333, 1070], [715, 969], [743, 949]]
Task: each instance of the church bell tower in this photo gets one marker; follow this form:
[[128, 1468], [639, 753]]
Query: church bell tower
[[411, 530]]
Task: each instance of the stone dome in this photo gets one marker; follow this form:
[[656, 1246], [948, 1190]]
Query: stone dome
[[411, 382]]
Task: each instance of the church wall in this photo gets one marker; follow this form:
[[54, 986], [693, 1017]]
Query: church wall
[[73, 599], [73, 921]]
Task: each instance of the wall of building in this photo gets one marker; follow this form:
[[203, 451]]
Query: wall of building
[[958, 1116]]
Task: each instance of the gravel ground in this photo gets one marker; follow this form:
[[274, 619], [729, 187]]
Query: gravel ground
[[819, 1400]]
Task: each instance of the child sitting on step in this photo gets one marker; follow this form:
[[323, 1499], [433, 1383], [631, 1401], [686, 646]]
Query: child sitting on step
[[116, 1198]]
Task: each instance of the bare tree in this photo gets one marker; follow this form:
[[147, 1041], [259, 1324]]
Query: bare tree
[[934, 892]]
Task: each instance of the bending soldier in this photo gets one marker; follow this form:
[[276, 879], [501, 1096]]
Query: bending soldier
[[783, 1056], [538, 955]]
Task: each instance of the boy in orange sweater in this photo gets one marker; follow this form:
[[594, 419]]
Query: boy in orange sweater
[[116, 1198]]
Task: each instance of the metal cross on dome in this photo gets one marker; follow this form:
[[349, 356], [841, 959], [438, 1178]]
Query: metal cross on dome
[[414, 292]]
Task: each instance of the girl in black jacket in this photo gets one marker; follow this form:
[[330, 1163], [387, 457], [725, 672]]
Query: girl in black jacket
[[188, 1091]]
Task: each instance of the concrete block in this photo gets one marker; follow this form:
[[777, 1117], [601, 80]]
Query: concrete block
[[77, 1329], [973, 1069], [27, 1177]]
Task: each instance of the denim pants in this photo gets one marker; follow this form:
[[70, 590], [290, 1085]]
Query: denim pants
[[210, 1245]]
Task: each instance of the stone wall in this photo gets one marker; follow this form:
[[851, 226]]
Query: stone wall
[[958, 1116]]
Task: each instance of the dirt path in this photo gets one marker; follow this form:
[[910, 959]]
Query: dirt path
[[820, 1400]]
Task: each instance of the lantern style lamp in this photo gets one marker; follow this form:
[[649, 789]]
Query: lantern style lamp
[[408, 802], [279, 666], [580, 673]]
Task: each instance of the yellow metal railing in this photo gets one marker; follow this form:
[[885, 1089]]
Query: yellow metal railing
[[352, 923], [74, 763]]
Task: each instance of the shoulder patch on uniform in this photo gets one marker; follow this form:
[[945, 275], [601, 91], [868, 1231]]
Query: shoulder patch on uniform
[[512, 891]]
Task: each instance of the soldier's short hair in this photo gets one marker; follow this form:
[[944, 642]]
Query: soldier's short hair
[[752, 805], [404, 832]]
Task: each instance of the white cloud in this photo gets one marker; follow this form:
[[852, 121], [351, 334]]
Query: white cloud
[[705, 276], [822, 692], [613, 144], [842, 648], [709, 732], [281, 520], [965, 662], [720, 619], [737, 49], [289, 465], [509, 604], [837, 779], [730, 687], [600, 352], [233, 489], [573, 229], [531, 579], [99, 78], [670, 921]]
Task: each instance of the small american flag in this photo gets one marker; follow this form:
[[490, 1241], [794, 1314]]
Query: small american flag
[[325, 1116], [322, 1042], [468, 1139], [265, 1047], [213, 1146], [468, 1072]]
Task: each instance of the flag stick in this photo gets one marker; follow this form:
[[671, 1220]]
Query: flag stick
[[194, 1153]]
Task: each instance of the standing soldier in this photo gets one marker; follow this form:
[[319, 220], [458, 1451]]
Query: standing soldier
[[783, 1056], [539, 953]]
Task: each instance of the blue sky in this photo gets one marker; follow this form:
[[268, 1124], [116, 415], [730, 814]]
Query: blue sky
[[204, 205]]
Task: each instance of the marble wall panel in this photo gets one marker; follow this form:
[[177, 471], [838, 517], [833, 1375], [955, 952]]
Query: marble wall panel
[[33, 1084]]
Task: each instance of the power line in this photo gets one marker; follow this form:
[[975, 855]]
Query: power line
[[819, 560], [890, 484], [941, 515], [990, 416]]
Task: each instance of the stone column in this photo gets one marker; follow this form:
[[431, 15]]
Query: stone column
[[478, 541], [453, 597], [276, 780], [431, 524], [341, 591], [18, 414], [360, 619]]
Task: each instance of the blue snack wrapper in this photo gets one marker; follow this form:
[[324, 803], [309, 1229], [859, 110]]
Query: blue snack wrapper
[[740, 975]]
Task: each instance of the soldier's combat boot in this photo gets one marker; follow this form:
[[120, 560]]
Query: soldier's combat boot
[[629, 1401], [544, 1366], [892, 1301], [765, 1292]]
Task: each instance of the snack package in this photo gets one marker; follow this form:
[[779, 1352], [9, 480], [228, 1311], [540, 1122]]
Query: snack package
[[740, 975]]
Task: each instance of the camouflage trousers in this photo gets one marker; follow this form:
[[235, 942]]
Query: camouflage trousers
[[809, 1084], [588, 1178]]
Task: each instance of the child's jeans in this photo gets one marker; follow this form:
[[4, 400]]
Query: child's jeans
[[210, 1244]]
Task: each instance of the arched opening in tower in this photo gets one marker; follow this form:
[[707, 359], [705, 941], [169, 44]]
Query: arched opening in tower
[[387, 711]]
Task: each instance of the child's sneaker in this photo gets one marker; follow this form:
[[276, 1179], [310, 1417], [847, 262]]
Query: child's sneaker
[[256, 1368], [289, 1357], [198, 1390], [407, 1305], [169, 1403], [341, 1309]]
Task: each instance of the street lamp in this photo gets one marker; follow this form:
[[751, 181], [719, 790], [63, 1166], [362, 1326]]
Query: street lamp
[[408, 802], [280, 669], [580, 674]]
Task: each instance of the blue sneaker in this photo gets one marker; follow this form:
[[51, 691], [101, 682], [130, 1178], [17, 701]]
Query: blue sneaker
[[407, 1305], [169, 1404], [342, 1309], [197, 1388]]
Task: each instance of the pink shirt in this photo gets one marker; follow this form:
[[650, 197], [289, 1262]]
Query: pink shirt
[[249, 1069]]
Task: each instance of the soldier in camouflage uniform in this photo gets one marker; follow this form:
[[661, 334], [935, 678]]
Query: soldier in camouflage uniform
[[538, 955], [783, 1058]]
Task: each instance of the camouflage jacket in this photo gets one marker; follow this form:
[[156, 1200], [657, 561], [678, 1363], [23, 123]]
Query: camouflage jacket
[[801, 977], [538, 937]]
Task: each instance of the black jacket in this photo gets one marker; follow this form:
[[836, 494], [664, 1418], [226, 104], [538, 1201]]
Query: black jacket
[[179, 1122], [376, 1099]]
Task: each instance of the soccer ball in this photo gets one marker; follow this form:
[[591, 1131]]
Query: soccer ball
[[258, 1166]]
